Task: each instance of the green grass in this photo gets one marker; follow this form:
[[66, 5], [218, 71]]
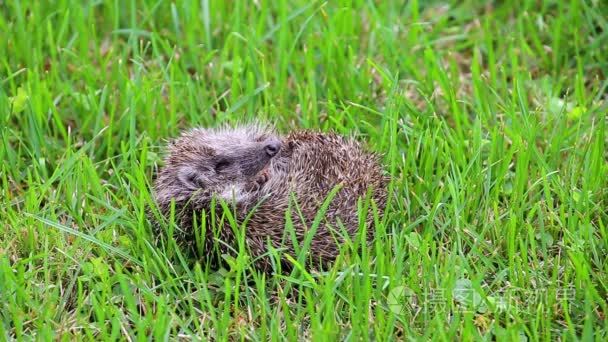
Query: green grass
[[491, 118]]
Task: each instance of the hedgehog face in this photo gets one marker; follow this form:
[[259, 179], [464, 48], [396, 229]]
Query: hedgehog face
[[226, 163]]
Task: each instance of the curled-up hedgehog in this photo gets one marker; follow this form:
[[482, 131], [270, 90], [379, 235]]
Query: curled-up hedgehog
[[270, 182]]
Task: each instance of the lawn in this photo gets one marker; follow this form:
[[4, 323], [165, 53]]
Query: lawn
[[491, 119]]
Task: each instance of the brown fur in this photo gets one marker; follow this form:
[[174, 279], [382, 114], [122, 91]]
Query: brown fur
[[307, 167]]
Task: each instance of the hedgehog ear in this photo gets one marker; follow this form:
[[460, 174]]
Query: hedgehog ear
[[189, 177]]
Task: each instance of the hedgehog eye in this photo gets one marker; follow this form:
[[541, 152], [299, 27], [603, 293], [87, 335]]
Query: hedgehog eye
[[221, 165]]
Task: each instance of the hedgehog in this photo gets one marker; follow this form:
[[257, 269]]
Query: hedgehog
[[274, 186]]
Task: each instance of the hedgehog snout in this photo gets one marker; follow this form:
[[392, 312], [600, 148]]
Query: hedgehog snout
[[272, 147]]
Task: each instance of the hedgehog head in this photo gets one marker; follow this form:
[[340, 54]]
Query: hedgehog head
[[226, 163]]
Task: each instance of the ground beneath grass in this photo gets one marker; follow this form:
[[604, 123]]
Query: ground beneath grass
[[491, 119]]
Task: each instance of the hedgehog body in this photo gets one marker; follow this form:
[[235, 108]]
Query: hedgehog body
[[269, 183]]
